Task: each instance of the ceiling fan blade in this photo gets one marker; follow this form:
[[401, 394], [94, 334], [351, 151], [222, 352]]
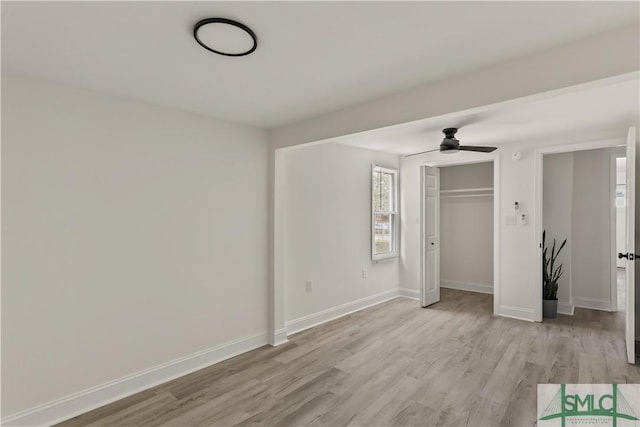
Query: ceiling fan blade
[[477, 148], [422, 152]]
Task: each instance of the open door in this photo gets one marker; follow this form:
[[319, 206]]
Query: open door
[[430, 230], [631, 246]]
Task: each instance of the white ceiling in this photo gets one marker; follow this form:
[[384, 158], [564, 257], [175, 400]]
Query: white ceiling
[[600, 112], [312, 58]]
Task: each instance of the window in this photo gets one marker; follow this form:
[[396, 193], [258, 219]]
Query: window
[[384, 213]]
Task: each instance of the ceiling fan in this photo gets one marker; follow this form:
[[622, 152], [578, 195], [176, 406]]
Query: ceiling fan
[[451, 145]]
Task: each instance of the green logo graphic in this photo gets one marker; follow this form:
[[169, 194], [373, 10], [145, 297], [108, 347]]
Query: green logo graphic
[[612, 405]]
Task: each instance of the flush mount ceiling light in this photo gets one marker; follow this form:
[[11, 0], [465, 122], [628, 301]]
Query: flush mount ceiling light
[[225, 37]]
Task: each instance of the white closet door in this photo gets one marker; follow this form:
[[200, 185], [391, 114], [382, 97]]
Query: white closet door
[[430, 275], [631, 245]]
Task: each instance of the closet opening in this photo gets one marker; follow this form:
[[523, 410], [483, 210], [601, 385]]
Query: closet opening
[[466, 227], [459, 235]]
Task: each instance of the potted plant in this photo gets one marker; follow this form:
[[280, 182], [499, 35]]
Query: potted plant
[[550, 276]]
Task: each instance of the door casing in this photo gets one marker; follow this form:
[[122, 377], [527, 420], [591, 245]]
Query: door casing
[[496, 221]]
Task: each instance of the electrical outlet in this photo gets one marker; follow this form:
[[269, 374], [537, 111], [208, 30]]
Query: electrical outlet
[[364, 273], [307, 285]]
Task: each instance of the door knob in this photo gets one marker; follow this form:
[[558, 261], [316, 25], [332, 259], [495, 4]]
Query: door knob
[[628, 256]]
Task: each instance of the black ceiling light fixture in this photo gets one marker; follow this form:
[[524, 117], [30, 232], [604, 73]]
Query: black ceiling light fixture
[[225, 37]]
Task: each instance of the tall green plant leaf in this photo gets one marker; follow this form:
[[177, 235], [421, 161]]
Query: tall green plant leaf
[[550, 272]]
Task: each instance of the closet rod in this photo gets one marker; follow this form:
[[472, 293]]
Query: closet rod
[[465, 196]]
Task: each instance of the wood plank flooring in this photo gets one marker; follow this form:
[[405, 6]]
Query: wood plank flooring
[[395, 364]]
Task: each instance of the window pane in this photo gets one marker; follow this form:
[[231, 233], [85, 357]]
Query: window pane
[[376, 190], [382, 191], [382, 226], [386, 189]]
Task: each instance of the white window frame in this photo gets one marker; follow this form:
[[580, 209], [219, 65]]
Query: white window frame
[[395, 235]]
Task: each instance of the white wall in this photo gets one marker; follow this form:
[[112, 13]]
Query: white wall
[[328, 228], [518, 252], [410, 221], [132, 235], [502, 83], [466, 229], [557, 217], [618, 52], [591, 229], [474, 175]]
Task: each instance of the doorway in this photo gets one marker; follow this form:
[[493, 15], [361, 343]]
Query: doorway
[[630, 206], [459, 228], [579, 206], [466, 227]]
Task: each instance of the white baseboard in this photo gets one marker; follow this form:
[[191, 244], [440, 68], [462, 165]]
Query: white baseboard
[[306, 322], [278, 337], [592, 303], [565, 307], [464, 286], [78, 403], [410, 293], [517, 313]]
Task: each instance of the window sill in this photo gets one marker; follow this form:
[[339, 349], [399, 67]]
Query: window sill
[[384, 257]]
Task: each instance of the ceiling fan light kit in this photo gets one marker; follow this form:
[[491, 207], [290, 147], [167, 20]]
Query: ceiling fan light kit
[[450, 145]]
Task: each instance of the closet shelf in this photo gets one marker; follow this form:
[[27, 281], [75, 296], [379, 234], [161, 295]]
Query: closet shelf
[[466, 193]]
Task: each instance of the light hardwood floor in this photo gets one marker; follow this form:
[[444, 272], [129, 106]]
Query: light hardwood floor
[[453, 364]]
